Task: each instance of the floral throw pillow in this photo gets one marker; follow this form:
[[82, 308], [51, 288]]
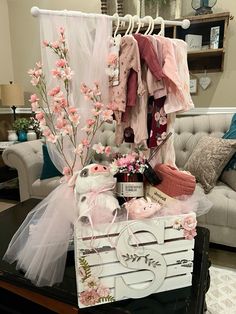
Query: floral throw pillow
[[208, 159]]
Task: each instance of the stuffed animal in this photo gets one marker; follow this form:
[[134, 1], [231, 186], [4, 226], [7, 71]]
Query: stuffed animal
[[93, 187], [140, 208]]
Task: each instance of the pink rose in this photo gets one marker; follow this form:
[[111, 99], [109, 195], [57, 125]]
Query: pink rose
[[190, 234], [103, 291], [189, 223], [89, 297]]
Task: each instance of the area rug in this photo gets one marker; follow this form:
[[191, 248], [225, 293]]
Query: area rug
[[221, 296]]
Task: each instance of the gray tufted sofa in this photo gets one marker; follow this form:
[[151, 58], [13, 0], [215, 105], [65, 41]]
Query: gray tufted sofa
[[221, 220]]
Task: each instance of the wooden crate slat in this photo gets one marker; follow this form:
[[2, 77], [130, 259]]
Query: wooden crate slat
[[110, 256], [167, 247], [135, 277], [106, 229]]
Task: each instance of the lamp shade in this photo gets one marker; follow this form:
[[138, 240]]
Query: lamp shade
[[12, 95]]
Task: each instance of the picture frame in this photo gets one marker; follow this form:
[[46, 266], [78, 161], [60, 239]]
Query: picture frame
[[193, 86]]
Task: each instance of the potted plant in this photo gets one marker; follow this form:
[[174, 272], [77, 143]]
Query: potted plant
[[21, 125]]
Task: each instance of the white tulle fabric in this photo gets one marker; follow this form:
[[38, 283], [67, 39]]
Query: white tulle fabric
[[40, 245], [87, 40]]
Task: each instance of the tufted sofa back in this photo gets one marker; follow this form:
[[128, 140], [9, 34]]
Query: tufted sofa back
[[189, 129]]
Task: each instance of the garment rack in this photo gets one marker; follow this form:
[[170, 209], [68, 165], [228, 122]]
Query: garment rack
[[35, 11]]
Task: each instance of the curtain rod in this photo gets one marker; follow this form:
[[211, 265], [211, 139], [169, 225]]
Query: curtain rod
[[35, 11]]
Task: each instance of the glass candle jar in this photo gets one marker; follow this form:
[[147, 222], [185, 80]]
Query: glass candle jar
[[129, 185]]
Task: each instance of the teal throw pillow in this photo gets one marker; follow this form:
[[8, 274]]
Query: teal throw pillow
[[231, 134], [49, 170]]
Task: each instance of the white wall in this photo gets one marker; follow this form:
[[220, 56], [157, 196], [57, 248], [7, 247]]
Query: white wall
[[6, 66]]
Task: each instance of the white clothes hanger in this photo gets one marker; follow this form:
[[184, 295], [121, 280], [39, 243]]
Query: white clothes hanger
[[152, 27], [129, 16], [150, 19], [140, 24], [162, 22], [134, 18], [118, 23]]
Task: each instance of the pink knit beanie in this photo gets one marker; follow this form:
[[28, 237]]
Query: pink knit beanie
[[175, 182]]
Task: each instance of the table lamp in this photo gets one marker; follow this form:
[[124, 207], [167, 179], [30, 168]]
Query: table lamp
[[12, 96]]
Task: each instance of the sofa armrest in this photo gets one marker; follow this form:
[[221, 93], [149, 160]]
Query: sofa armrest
[[27, 159], [229, 178]]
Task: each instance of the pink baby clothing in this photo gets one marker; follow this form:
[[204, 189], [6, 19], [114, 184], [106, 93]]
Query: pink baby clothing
[[129, 59], [156, 87], [148, 55]]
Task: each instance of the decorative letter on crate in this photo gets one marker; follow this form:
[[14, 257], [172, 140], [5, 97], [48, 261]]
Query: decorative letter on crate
[[131, 259]]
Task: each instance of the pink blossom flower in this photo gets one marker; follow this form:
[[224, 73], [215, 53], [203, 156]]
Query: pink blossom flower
[[99, 148], [108, 150], [33, 98], [74, 118], [46, 132], [61, 63], [98, 105], [61, 123], [103, 291], [67, 171], [67, 130], [189, 223], [90, 122], [190, 234], [79, 149], [67, 74], [83, 88], [54, 91], [112, 58], [91, 283], [107, 115], [85, 142], [40, 116], [56, 108], [55, 44], [56, 73], [73, 110], [61, 30], [52, 138], [34, 106], [45, 43], [89, 297], [95, 112], [35, 80]]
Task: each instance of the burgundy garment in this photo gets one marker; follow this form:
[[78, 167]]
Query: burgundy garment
[[132, 87], [158, 122], [148, 55]]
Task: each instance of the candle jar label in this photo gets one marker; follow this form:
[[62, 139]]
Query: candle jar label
[[130, 189]]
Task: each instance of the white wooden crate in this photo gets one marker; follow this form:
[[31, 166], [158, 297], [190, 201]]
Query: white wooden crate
[[131, 259]]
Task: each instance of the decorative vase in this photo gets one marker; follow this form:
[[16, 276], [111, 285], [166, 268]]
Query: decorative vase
[[12, 136], [129, 185], [22, 136], [31, 135]]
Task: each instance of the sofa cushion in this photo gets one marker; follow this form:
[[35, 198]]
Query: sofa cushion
[[231, 134], [49, 170], [208, 159]]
